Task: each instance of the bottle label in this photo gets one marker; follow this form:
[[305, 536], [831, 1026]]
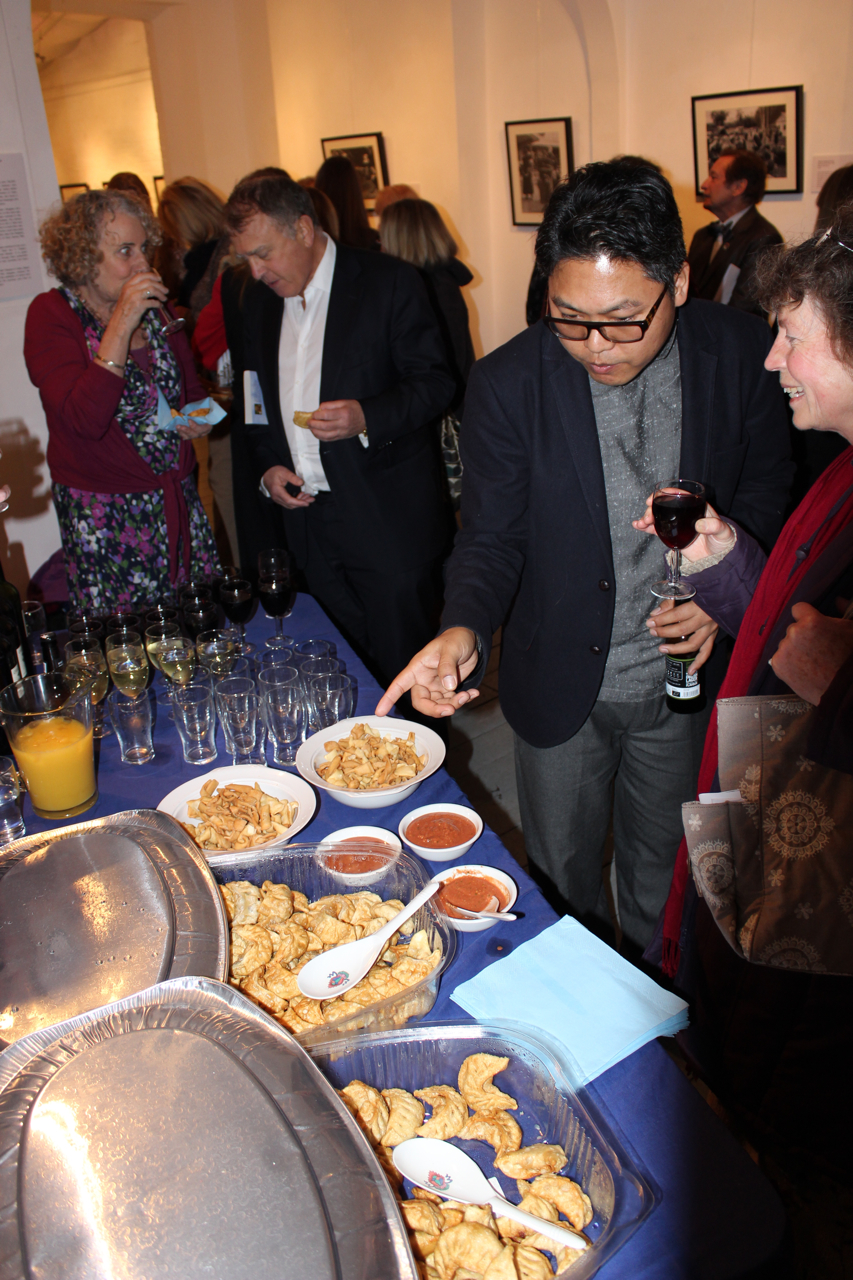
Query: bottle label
[[678, 683]]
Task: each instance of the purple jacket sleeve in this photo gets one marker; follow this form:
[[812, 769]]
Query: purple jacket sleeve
[[725, 590]]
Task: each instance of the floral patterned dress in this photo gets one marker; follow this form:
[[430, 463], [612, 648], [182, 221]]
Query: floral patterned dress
[[115, 546]]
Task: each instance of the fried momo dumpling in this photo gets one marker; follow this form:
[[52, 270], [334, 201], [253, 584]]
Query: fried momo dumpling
[[369, 1108], [481, 1214], [531, 1264], [527, 1162], [565, 1257], [386, 911], [332, 904], [421, 1193], [468, 1246], [408, 971], [276, 906], [256, 989], [512, 1230], [475, 1084], [241, 901], [300, 902], [451, 1217], [419, 948], [281, 981], [449, 1111], [383, 982], [564, 1195], [309, 1011], [423, 1244], [420, 1215], [251, 946], [334, 1010], [499, 1129], [293, 1022], [331, 931], [406, 1117], [292, 942], [503, 1266]]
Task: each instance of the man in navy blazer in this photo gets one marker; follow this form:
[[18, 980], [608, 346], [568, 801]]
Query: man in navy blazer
[[567, 428], [347, 340]]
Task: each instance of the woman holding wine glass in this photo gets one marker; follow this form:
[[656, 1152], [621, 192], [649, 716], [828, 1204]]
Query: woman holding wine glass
[[108, 373], [774, 1042]]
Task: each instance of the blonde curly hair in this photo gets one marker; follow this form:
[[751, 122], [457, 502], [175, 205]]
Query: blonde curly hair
[[71, 236]]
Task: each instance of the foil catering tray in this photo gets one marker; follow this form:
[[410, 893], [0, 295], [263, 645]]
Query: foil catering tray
[[181, 1132], [93, 912]]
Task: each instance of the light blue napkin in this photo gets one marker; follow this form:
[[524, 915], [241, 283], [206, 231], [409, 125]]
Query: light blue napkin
[[166, 422], [571, 985]]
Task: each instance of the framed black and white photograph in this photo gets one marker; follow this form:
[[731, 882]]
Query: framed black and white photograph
[[68, 190], [539, 153], [769, 121], [366, 151]]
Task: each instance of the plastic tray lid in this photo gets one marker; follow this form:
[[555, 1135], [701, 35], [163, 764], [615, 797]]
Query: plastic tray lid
[[93, 912], [181, 1132]]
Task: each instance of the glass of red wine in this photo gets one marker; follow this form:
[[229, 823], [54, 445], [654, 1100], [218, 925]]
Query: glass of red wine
[[277, 586], [235, 596], [676, 506], [200, 613]]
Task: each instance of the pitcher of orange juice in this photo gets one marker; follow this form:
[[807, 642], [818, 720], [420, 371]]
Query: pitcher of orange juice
[[49, 726]]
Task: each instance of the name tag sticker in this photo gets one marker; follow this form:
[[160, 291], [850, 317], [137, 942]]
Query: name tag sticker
[[253, 399]]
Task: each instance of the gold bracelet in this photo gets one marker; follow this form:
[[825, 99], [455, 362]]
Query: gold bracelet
[[112, 364]]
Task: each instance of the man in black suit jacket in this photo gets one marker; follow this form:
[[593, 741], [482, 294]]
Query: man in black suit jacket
[[722, 255], [566, 430], [349, 339]]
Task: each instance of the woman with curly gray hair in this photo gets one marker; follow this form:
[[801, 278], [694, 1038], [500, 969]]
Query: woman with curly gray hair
[[130, 517]]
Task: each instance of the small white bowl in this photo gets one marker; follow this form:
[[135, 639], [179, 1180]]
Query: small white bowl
[[441, 855], [313, 751], [369, 833], [491, 873]]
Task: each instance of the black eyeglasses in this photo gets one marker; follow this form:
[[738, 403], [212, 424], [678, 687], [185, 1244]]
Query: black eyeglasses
[[610, 330]]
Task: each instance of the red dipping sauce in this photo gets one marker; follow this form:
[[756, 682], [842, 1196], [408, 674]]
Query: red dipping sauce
[[355, 864], [440, 830], [473, 892]]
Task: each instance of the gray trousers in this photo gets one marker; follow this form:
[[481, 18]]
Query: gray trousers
[[645, 760]]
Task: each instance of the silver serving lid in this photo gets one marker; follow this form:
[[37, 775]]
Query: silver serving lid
[[93, 912], [181, 1132]]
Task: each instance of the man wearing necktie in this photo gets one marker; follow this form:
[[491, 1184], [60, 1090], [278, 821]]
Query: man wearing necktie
[[722, 255]]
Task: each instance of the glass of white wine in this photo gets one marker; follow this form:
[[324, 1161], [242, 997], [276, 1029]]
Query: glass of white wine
[[176, 659], [127, 662], [85, 663], [155, 635], [217, 651]]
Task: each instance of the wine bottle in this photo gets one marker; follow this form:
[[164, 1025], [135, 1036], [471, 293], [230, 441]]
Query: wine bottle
[[10, 610], [684, 692], [51, 657]]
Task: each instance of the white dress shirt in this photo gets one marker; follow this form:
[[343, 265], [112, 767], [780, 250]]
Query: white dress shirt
[[300, 362]]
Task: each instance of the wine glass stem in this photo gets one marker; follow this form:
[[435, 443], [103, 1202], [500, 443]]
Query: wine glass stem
[[279, 626], [673, 567]]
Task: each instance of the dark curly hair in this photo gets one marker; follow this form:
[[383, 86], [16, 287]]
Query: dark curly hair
[[819, 269], [624, 211], [70, 237], [272, 192]]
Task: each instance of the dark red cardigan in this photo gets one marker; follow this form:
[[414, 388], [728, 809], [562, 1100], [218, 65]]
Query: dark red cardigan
[[87, 448]]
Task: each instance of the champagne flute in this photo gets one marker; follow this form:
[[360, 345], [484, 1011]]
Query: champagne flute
[[235, 595], [85, 663], [676, 506]]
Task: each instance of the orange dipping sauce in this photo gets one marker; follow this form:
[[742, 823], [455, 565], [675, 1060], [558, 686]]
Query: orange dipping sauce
[[473, 892], [440, 830], [355, 864]]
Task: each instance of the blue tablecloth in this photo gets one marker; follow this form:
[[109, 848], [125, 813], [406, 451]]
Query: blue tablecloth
[[716, 1216]]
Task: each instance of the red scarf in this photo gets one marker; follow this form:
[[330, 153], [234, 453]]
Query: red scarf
[[782, 573]]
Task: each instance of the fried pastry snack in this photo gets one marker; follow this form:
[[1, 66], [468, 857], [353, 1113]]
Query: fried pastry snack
[[468, 1246], [499, 1129], [449, 1111], [369, 1108], [564, 1195], [406, 1115], [367, 760], [475, 1084], [527, 1162]]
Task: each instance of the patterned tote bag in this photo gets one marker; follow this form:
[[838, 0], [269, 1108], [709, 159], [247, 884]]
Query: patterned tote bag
[[776, 868]]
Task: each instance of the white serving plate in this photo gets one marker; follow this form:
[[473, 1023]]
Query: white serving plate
[[313, 751], [284, 786]]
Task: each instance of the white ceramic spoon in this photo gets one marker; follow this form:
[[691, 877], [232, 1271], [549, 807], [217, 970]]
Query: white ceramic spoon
[[439, 1166], [332, 973]]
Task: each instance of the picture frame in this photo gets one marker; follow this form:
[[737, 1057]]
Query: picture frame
[[68, 190], [539, 155], [769, 121], [366, 151], [159, 181]]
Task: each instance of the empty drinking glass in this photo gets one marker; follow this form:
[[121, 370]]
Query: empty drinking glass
[[196, 722], [11, 819], [331, 699], [133, 719], [283, 714], [231, 691], [239, 718], [314, 649]]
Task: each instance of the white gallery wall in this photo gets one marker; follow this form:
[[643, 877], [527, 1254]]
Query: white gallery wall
[[242, 83]]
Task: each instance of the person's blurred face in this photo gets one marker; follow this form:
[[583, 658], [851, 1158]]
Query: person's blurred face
[[284, 260], [611, 289], [721, 197], [819, 387], [123, 246]]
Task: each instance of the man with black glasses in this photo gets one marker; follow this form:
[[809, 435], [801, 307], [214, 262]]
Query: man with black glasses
[[567, 429]]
